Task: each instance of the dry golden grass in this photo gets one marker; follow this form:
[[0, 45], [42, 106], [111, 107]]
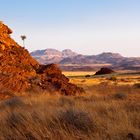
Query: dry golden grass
[[78, 73], [107, 111], [74, 118], [80, 78]]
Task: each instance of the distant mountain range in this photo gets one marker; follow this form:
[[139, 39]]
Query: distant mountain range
[[52, 55], [69, 60]]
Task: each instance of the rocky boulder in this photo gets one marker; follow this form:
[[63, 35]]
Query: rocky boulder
[[104, 71]]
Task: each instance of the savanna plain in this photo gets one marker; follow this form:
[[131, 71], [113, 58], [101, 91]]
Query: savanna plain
[[108, 110]]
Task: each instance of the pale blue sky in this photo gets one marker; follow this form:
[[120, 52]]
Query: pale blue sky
[[85, 26]]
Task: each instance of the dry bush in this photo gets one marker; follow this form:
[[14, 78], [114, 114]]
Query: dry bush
[[87, 76], [121, 96], [113, 78], [76, 119], [66, 101]]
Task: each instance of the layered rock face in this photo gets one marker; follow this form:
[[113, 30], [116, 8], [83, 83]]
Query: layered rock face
[[19, 72]]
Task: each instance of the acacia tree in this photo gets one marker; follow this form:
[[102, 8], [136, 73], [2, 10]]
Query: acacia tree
[[23, 37]]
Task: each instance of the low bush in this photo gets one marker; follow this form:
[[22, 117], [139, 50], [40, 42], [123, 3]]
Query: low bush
[[120, 96], [87, 76], [113, 78], [76, 119]]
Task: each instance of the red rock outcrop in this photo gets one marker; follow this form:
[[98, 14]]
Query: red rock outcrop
[[104, 71], [20, 72]]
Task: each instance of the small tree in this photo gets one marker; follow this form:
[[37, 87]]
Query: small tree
[[23, 37]]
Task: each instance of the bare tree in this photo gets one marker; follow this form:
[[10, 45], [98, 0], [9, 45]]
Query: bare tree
[[23, 37]]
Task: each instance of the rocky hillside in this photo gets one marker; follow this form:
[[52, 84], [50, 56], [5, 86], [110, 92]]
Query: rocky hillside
[[19, 72], [75, 61]]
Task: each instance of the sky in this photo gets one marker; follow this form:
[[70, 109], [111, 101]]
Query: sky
[[85, 26]]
